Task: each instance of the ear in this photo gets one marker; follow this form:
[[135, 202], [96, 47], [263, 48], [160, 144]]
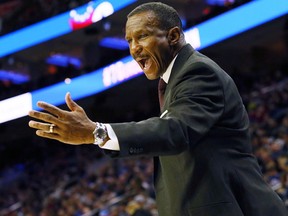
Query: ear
[[174, 36]]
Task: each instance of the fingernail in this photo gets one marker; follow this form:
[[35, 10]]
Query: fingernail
[[39, 103]]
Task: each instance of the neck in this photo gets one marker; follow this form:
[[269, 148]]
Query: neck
[[178, 47]]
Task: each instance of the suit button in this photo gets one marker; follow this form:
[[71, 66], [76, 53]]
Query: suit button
[[135, 150]]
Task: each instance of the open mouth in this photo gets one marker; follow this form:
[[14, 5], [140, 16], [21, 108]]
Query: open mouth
[[145, 63], [142, 63]]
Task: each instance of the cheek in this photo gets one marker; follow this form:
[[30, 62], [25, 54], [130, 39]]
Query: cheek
[[162, 50], [159, 51], [156, 45]]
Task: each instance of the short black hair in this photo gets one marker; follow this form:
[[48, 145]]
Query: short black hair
[[166, 15]]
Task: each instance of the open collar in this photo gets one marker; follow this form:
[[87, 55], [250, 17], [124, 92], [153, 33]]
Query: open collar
[[167, 73]]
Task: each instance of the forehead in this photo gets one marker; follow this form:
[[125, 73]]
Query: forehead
[[140, 20]]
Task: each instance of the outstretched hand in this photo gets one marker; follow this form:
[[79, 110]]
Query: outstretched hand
[[71, 127]]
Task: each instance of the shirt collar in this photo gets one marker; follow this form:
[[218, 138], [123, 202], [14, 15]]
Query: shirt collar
[[167, 73]]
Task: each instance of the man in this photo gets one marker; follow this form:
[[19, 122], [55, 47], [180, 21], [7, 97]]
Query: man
[[200, 143]]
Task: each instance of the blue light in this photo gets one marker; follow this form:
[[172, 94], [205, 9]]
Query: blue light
[[114, 43], [79, 87], [13, 76], [34, 34], [46, 30], [219, 2], [88, 84], [64, 61], [239, 20]]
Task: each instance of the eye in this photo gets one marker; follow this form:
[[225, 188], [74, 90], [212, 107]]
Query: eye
[[141, 36], [128, 40]]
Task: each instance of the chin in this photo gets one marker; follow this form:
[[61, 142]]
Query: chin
[[151, 77]]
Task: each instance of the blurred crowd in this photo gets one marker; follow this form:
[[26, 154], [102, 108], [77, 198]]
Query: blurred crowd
[[82, 183], [268, 112]]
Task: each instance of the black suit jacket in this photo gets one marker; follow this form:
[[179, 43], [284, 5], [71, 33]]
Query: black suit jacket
[[203, 160]]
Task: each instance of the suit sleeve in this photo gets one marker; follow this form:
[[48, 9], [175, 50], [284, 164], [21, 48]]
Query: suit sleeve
[[195, 105]]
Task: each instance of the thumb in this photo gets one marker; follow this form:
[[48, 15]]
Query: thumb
[[72, 105]]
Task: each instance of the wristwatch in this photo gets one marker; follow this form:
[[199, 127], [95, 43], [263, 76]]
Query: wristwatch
[[100, 134]]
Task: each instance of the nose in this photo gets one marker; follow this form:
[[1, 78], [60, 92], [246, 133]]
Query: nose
[[135, 48]]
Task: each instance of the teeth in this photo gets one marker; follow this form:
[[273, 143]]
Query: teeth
[[143, 63]]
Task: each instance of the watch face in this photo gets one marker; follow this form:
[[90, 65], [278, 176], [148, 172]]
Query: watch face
[[101, 133]]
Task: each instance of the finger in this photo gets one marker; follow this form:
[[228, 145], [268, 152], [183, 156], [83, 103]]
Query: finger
[[72, 105], [51, 109], [40, 125], [46, 117], [48, 135]]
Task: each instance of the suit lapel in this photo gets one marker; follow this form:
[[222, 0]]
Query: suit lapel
[[182, 57]]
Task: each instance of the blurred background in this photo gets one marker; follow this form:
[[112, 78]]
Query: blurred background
[[49, 47]]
